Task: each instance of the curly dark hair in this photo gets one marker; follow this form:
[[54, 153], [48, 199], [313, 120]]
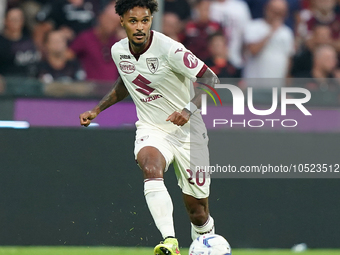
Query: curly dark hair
[[122, 6]]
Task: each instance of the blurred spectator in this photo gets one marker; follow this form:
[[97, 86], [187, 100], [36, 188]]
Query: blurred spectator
[[18, 54], [93, 47], [180, 7], [172, 26], [218, 62], [257, 7], [325, 14], [303, 60], [269, 43], [69, 16], [323, 74], [30, 9], [322, 13], [198, 31], [56, 66], [233, 15], [305, 14]]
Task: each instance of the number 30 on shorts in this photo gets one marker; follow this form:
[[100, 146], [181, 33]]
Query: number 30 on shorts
[[197, 177]]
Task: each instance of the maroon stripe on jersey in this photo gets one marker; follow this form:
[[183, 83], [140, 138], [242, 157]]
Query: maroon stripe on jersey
[[137, 55], [200, 73]]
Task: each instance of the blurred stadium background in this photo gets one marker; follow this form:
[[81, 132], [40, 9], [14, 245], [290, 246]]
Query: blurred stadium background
[[63, 185]]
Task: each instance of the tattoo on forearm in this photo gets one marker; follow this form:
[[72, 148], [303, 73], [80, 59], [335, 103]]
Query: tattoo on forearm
[[117, 93], [108, 100]]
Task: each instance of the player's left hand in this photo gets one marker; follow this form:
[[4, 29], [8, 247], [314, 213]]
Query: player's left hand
[[179, 118]]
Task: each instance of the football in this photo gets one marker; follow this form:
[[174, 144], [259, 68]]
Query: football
[[210, 244]]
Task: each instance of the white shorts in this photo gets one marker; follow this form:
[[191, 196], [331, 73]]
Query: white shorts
[[185, 159]]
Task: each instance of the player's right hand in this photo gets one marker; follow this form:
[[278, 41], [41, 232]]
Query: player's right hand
[[86, 117]]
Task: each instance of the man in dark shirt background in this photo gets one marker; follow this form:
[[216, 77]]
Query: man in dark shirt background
[[18, 54], [323, 75], [93, 47], [303, 60], [69, 16], [56, 67]]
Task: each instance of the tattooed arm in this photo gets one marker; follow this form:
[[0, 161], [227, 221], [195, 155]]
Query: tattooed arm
[[117, 93]]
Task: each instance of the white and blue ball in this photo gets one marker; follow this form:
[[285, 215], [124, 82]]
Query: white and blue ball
[[210, 244]]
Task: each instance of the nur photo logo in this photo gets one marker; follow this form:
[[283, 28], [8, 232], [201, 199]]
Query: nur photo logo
[[288, 96], [208, 92]]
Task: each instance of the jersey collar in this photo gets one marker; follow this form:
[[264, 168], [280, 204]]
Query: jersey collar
[[137, 55]]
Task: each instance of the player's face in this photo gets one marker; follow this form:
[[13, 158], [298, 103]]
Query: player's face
[[137, 24]]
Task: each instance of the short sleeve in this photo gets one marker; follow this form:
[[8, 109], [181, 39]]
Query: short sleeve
[[184, 62]]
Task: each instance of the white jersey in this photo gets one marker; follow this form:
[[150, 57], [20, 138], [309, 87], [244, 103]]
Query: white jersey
[[159, 80]]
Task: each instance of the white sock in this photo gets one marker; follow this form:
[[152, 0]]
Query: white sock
[[207, 228], [160, 205]]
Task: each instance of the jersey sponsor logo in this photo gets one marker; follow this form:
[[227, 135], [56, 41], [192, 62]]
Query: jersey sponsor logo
[[125, 57], [127, 67], [190, 60], [149, 99], [152, 64]]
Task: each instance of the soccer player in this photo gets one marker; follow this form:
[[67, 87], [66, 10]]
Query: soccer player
[[158, 73]]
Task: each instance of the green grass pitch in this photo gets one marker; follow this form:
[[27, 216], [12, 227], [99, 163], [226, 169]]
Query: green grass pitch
[[50, 250]]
